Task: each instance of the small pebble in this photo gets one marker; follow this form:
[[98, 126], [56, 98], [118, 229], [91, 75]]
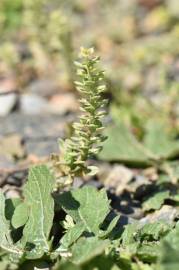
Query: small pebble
[[7, 103], [33, 104]]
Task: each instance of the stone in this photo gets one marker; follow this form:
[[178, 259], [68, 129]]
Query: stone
[[117, 177], [42, 148], [36, 126], [167, 213], [63, 103], [11, 191], [7, 103], [43, 87], [77, 183], [6, 163], [8, 84], [11, 146], [33, 104]]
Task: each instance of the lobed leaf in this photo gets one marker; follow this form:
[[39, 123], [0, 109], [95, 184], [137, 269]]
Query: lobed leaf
[[86, 205]]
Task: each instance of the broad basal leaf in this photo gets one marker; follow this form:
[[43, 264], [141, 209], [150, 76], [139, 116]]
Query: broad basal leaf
[[37, 193], [87, 206], [10, 206], [20, 215], [124, 147], [6, 242], [121, 145], [159, 142], [88, 248]]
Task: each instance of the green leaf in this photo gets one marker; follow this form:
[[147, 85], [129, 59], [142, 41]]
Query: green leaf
[[67, 266], [148, 252], [141, 266], [122, 146], [124, 262], [153, 231], [87, 248], [172, 238], [175, 198], [159, 142], [37, 193], [20, 215], [111, 226], [169, 259], [171, 172], [155, 202], [169, 249], [101, 262], [34, 265], [10, 206], [87, 206], [6, 242], [129, 234], [72, 235]]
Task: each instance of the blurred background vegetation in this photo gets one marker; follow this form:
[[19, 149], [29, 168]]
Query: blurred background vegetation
[[136, 39]]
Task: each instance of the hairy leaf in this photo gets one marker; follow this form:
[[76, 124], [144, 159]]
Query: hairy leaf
[[10, 206], [87, 248], [37, 193], [87, 205], [155, 133], [122, 146], [72, 235], [6, 242], [20, 215]]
